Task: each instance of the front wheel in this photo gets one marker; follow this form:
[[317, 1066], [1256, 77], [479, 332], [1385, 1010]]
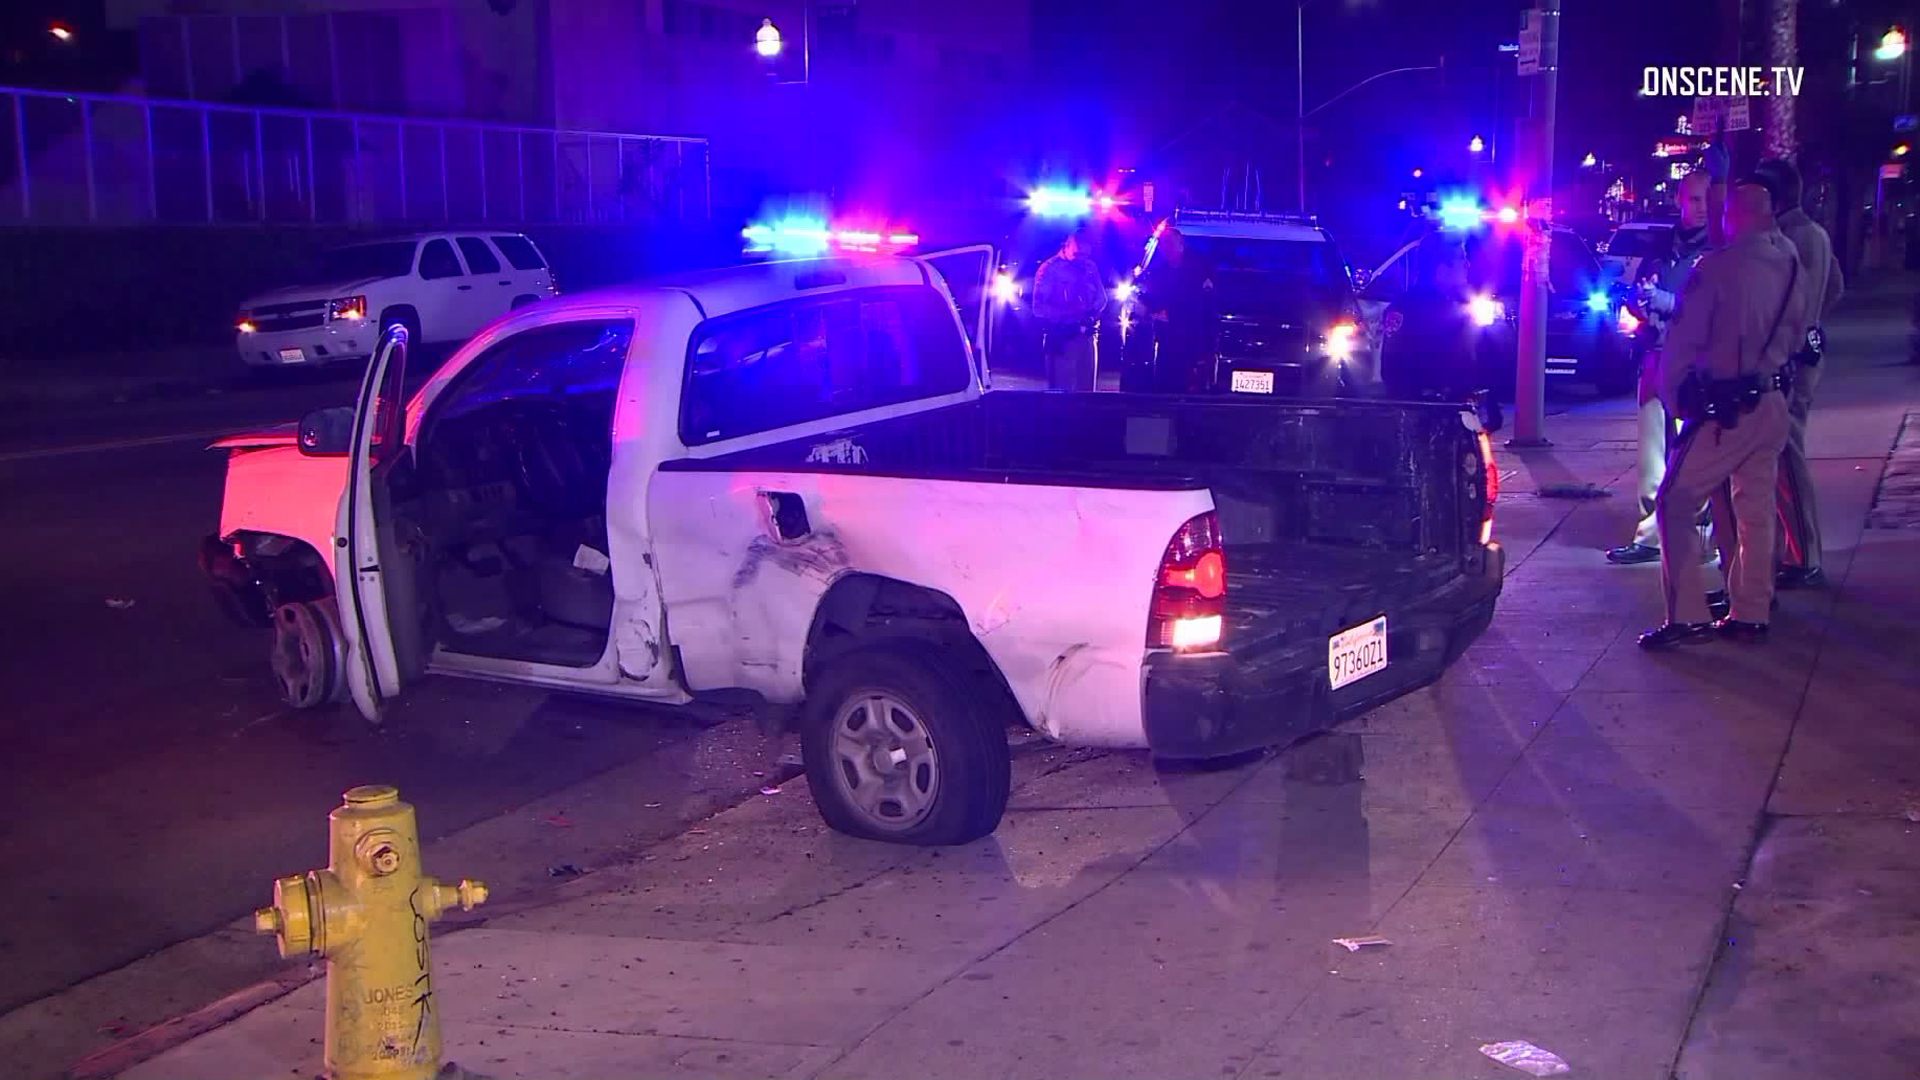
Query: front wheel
[[309, 654], [898, 748]]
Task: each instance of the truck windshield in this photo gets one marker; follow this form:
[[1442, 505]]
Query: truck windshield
[[384, 260], [1251, 269]]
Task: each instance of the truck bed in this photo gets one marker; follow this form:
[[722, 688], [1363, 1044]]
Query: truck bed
[[1334, 513]]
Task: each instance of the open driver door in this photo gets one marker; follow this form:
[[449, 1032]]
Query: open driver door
[[969, 275], [378, 556]]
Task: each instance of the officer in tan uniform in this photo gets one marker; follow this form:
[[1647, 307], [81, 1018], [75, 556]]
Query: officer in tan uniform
[[1798, 545], [1725, 374]]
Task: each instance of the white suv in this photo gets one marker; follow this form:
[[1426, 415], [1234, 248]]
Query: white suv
[[442, 286]]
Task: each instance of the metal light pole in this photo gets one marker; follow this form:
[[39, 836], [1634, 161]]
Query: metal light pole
[[1530, 381], [1300, 98]]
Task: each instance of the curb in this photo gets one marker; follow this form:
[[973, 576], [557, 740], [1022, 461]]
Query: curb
[[124, 1055]]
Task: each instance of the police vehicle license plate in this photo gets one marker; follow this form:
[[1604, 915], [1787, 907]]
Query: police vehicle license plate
[[291, 356], [1354, 654], [1253, 382]]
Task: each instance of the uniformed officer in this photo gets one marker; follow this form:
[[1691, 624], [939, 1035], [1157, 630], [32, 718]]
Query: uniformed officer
[[1068, 297], [1661, 282], [1797, 548], [1724, 372]]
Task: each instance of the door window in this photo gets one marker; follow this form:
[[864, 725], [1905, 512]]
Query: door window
[[520, 252], [480, 258], [812, 359], [570, 361], [437, 260]]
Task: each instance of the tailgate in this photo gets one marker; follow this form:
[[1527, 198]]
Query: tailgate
[[1333, 511]]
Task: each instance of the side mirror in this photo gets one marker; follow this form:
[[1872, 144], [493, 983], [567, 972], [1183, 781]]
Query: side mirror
[[1362, 278], [327, 432]]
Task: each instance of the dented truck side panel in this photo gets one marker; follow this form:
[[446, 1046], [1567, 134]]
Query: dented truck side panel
[[1039, 571]]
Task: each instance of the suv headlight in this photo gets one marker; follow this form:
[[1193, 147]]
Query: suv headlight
[[350, 307], [243, 322]]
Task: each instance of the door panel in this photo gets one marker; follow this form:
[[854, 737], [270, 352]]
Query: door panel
[[380, 610], [446, 294]]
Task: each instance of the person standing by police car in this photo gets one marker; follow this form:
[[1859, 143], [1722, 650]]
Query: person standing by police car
[[1798, 547], [1656, 296], [1068, 297], [1725, 372]]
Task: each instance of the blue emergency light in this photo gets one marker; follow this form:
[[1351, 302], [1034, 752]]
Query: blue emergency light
[[1059, 202]]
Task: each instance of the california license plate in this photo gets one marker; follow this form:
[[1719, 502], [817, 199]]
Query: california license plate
[[1354, 654], [1253, 382], [291, 356]]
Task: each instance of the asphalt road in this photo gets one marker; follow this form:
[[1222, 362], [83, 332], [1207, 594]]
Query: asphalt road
[[151, 785]]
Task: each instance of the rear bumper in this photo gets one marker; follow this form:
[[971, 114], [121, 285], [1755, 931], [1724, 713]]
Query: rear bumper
[[1216, 705]]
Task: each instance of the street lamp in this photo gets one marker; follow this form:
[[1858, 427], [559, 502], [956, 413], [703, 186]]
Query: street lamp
[[1892, 46], [1476, 145], [60, 32], [766, 40], [1589, 161], [1901, 150], [1300, 110]]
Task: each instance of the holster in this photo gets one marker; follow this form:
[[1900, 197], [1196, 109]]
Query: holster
[[1725, 401]]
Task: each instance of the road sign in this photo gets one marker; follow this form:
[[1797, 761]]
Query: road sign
[[1739, 118], [1907, 122], [1531, 25], [1707, 114]]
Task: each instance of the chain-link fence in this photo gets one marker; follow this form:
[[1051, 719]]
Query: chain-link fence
[[113, 160]]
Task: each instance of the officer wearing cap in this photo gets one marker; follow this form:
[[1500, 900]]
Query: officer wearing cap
[[1725, 373], [1797, 548]]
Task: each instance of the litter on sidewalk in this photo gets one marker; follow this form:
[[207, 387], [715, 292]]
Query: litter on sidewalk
[[1526, 1057], [1355, 944], [1572, 491]]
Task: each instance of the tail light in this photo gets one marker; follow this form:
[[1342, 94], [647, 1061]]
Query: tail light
[[1493, 487], [1340, 340], [1628, 322], [1190, 590]]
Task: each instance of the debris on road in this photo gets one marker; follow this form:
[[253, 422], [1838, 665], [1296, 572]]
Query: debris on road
[[564, 870], [558, 820], [1526, 1057], [1355, 944], [769, 790], [791, 759], [1572, 491], [653, 806], [118, 604]]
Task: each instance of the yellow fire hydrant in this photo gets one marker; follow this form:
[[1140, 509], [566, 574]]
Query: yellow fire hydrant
[[367, 913]]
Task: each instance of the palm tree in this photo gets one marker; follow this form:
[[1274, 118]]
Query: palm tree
[[1783, 50]]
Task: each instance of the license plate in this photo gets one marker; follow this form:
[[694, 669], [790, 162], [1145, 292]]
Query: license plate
[[1354, 654], [291, 356], [1253, 382]]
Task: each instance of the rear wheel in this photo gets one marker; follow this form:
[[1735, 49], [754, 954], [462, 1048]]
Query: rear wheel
[[898, 748], [309, 655]]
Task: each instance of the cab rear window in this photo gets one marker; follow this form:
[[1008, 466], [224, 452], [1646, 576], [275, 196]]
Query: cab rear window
[[812, 359]]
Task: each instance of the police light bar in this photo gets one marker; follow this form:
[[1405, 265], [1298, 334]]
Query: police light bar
[[1239, 217], [1071, 202], [803, 236]]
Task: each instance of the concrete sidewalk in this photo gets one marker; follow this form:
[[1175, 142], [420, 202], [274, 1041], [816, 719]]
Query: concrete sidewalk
[[1698, 864]]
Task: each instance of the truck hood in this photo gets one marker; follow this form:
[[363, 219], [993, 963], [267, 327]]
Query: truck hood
[[316, 293], [287, 434]]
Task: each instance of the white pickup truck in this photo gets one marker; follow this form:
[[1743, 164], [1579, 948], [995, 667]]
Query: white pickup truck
[[790, 479]]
